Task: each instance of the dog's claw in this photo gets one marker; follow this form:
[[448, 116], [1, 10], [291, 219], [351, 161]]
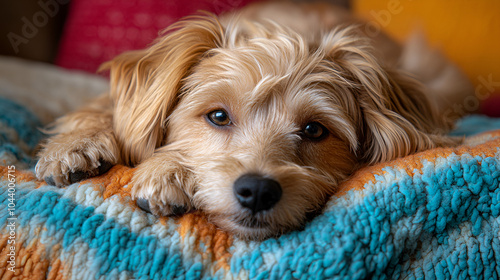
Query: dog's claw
[[77, 176], [143, 204], [104, 167], [50, 180], [178, 210]]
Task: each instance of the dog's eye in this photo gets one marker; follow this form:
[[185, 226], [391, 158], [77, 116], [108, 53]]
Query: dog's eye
[[219, 117], [314, 131]]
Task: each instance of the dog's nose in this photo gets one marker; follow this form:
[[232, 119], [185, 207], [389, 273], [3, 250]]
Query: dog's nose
[[257, 193]]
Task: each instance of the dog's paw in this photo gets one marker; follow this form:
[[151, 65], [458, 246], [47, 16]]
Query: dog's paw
[[73, 157], [77, 176], [160, 209], [162, 187], [160, 199]]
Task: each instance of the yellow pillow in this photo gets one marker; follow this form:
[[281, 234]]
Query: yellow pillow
[[468, 32]]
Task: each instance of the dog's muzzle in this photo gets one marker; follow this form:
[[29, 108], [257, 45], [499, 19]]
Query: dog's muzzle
[[256, 192]]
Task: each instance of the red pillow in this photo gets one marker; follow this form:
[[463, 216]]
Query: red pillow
[[98, 30], [491, 106]]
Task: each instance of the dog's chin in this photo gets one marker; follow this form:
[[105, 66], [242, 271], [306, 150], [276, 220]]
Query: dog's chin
[[246, 230], [250, 227]]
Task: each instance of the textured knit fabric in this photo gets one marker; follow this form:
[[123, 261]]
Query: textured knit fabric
[[19, 133], [433, 215]]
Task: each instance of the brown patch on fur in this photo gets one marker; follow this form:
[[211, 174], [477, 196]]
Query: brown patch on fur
[[217, 242]]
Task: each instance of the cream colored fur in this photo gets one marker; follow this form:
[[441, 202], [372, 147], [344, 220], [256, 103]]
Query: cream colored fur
[[273, 76]]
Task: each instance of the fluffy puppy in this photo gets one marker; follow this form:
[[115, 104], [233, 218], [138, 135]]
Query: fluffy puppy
[[255, 117]]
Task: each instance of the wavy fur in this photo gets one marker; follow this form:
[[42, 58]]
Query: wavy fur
[[311, 63]]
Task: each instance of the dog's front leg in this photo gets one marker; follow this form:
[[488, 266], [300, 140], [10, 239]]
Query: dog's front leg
[[83, 145], [163, 184]]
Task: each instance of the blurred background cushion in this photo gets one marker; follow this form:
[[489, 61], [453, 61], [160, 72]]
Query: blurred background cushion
[[98, 30], [465, 31]]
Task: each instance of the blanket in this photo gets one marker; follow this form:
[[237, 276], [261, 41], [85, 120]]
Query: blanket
[[434, 215]]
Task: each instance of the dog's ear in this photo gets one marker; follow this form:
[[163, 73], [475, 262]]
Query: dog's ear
[[145, 84], [398, 119], [395, 117]]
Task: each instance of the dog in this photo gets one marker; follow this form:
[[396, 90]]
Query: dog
[[255, 117]]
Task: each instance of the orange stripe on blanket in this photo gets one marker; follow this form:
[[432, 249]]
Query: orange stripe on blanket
[[58, 270], [216, 241], [20, 176], [114, 182], [31, 262], [415, 162]]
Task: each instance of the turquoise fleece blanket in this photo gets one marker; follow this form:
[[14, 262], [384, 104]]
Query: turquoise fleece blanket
[[433, 215]]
